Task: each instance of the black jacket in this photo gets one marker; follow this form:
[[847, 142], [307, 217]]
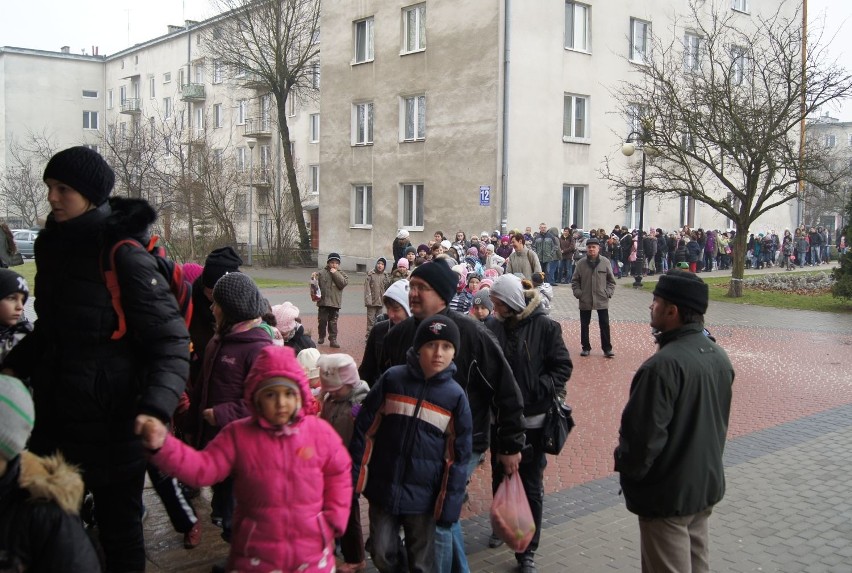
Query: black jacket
[[201, 328], [534, 348], [300, 340], [370, 368], [88, 388], [674, 425], [40, 531], [482, 371]]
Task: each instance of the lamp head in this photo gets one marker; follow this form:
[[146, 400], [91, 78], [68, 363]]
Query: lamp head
[[628, 148], [251, 143]]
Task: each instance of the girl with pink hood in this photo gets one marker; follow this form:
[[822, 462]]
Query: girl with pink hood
[[292, 475]]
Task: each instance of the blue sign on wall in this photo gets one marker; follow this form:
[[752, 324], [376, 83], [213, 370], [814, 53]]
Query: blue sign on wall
[[485, 195]]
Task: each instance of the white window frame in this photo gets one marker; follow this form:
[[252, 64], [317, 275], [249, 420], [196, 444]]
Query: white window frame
[[571, 121], [315, 75], [692, 47], [314, 122], [362, 123], [199, 120], [639, 53], [574, 201], [181, 78], [218, 117], [635, 113], [240, 159], [577, 23], [739, 64], [830, 141], [167, 77], [291, 105], [110, 99], [633, 201], [242, 111], [416, 131], [313, 174], [414, 195], [168, 109], [91, 120], [363, 36], [122, 94], [152, 89], [218, 72], [416, 16], [96, 92], [740, 6], [362, 198]]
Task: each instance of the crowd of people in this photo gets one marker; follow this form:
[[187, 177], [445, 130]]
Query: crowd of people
[[461, 358]]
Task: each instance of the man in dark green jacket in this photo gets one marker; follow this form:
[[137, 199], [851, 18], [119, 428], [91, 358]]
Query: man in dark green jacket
[[673, 430]]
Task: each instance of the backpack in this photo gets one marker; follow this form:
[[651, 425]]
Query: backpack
[[172, 271]]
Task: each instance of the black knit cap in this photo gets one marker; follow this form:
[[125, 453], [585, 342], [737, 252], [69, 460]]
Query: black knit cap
[[437, 327], [84, 170], [440, 277], [11, 282], [239, 297], [220, 261], [683, 288]]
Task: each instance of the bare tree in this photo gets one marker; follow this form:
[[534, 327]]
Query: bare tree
[[721, 107], [275, 44], [21, 184]]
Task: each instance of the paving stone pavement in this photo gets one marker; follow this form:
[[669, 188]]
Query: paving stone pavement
[[788, 505]]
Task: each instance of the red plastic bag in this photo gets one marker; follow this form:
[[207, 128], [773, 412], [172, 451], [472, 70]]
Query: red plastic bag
[[511, 518]]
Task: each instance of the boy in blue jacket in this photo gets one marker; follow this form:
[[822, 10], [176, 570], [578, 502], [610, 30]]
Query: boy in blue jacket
[[411, 446]]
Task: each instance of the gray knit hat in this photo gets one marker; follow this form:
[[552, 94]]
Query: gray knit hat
[[508, 288], [239, 297], [17, 416]]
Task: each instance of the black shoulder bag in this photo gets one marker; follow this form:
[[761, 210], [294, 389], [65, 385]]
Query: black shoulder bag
[[558, 423]]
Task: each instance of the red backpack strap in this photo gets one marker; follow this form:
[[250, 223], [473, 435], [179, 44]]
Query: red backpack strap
[[111, 280]]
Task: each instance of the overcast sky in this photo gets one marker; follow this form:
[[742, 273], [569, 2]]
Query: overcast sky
[[113, 25]]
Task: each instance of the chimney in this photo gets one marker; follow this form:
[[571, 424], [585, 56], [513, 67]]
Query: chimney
[[65, 49], [173, 29]]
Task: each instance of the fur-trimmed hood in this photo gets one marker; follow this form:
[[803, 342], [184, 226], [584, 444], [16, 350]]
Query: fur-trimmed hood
[[51, 478], [129, 217], [533, 298]]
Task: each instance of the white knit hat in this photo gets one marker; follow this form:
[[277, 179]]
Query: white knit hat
[[17, 416], [308, 360], [398, 292], [285, 317]]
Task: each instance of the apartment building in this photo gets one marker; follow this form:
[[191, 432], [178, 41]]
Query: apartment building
[[483, 115], [821, 208]]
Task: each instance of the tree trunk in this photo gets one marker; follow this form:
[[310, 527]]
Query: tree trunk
[[292, 181], [738, 256]]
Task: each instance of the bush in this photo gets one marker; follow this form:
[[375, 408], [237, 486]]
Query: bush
[[842, 287], [795, 283]]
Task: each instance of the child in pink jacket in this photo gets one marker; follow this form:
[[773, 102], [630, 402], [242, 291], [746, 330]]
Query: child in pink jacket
[[292, 475]]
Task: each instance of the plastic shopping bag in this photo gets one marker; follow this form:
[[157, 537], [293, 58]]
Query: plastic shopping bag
[[511, 518]]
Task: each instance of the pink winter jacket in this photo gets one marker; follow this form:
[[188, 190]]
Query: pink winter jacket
[[292, 484]]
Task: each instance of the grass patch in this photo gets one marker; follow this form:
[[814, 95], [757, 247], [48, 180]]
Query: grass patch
[[26, 270], [275, 283], [819, 301]]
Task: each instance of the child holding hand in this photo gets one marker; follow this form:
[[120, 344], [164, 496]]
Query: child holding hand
[[292, 475]]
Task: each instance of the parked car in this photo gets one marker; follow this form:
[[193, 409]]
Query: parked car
[[25, 239]]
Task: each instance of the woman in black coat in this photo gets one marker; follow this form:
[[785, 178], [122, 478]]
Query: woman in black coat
[[93, 388]]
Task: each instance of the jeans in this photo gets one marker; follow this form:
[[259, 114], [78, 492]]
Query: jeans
[[449, 542], [419, 540], [550, 269], [566, 270]]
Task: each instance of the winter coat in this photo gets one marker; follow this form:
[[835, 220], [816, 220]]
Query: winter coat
[[40, 531], [566, 247], [593, 285], [331, 287], [300, 340], [483, 373], [88, 387], [375, 286], [504, 251], [649, 246], [534, 348], [292, 484], [693, 252], [462, 301], [546, 247], [398, 274], [674, 425], [524, 261], [227, 362], [399, 250], [341, 412], [370, 368], [10, 336], [202, 327], [680, 252], [412, 443]]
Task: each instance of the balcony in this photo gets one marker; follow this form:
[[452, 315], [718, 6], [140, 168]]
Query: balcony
[[258, 127], [196, 137], [254, 82], [192, 92], [132, 106], [262, 177]]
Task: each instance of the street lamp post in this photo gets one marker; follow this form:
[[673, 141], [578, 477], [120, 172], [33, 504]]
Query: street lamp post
[[251, 143], [628, 149]]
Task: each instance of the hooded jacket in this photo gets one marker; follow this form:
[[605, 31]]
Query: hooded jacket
[[412, 443], [331, 285], [674, 426], [593, 284], [292, 484], [376, 284], [534, 348], [88, 387], [39, 528]]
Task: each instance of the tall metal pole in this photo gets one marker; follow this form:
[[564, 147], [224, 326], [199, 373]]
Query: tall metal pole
[[802, 112], [250, 199], [628, 149]]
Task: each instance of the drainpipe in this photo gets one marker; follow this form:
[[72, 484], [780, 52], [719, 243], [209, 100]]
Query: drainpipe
[[504, 188]]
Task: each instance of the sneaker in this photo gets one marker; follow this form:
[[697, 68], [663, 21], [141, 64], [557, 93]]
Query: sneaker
[[192, 538], [494, 541], [609, 354], [527, 564], [334, 344], [585, 352]]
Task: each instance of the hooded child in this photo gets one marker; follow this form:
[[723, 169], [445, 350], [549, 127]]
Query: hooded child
[[375, 284], [412, 466], [396, 310], [288, 328], [342, 394], [292, 475]]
